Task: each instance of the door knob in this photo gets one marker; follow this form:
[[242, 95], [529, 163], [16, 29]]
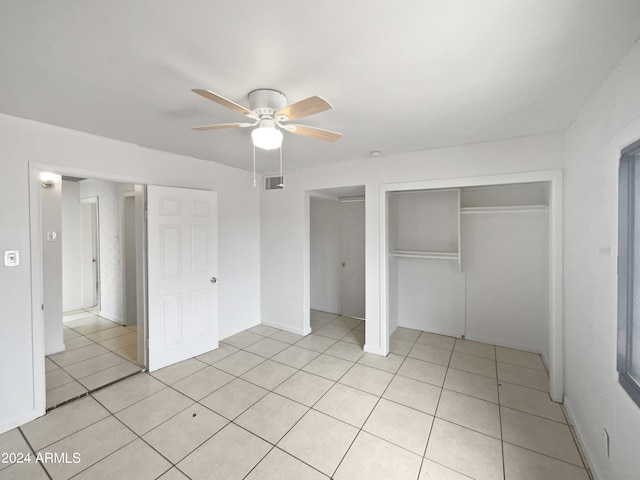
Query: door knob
[[344, 264], [214, 279]]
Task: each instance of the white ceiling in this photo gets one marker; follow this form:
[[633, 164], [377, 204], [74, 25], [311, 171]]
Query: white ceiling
[[402, 76]]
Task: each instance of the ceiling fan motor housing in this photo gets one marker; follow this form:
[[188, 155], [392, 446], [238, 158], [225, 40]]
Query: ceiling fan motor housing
[[266, 102]]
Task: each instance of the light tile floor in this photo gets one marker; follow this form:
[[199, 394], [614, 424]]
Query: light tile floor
[[272, 405], [97, 352]]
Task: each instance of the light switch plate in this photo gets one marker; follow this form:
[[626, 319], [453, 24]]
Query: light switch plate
[[11, 258]]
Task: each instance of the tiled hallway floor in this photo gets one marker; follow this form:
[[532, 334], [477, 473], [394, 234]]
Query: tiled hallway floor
[[269, 404], [97, 352]]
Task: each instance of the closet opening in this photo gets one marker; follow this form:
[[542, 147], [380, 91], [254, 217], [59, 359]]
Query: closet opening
[[472, 263], [479, 260]]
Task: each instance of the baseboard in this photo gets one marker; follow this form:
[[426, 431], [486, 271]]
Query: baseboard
[[545, 360], [374, 350], [583, 446], [298, 331], [515, 346], [21, 420], [113, 318], [72, 308], [323, 310], [57, 349]]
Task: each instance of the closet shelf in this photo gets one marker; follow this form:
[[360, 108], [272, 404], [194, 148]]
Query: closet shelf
[[512, 209], [425, 254]]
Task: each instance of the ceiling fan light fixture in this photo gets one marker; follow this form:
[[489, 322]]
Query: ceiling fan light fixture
[[267, 136]]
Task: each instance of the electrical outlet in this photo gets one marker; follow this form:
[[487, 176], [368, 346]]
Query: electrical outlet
[[605, 441]]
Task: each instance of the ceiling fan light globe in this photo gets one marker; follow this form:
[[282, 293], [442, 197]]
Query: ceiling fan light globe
[[267, 138]]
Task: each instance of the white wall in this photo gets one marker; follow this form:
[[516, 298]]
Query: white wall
[[325, 255], [609, 121], [71, 247], [23, 141], [505, 258], [284, 246]]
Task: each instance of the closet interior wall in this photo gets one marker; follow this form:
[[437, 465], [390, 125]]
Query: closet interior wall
[[472, 262]]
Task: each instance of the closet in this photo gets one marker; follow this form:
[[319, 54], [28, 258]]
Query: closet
[[472, 262]]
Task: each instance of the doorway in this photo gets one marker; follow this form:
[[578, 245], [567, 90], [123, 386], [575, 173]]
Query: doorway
[[195, 212], [337, 258], [90, 239]]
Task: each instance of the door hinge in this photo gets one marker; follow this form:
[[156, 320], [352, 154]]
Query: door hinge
[[43, 307]]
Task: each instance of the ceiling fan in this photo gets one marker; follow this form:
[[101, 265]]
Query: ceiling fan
[[269, 110]]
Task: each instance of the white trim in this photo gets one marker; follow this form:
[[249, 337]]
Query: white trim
[[37, 296], [326, 196], [554, 177], [568, 408], [383, 318], [108, 316], [59, 348], [306, 266], [286, 328], [374, 350], [80, 306], [18, 421]]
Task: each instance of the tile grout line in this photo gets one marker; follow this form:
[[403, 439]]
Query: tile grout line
[[365, 420], [504, 469], [34, 452], [334, 383], [435, 411], [140, 437], [77, 379]]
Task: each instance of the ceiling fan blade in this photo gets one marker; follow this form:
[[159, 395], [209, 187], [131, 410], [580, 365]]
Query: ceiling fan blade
[[313, 132], [304, 108], [225, 102], [222, 125]]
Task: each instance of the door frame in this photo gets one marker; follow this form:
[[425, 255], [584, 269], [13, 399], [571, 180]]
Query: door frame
[[36, 169], [555, 179], [306, 250], [125, 196]]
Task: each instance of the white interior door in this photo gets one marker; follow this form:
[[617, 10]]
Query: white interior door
[[352, 276], [182, 265], [89, 249]]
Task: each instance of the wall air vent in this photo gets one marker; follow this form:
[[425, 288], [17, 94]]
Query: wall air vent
[[274, 183]]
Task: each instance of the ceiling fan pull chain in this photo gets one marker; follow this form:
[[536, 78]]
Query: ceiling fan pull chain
[[281, 176], [254, 165]]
